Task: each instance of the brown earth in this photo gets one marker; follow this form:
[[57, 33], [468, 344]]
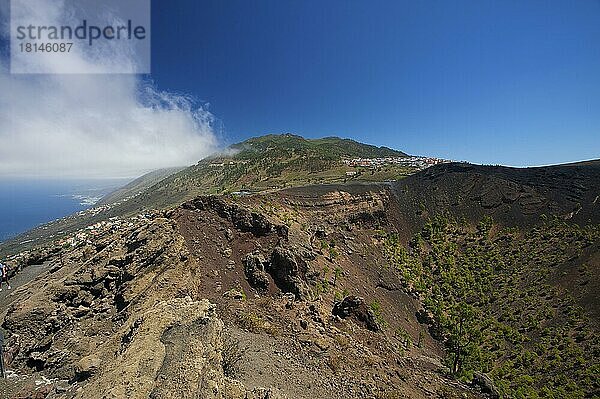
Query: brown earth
[[149, 311], [511, 196], [234, 297]]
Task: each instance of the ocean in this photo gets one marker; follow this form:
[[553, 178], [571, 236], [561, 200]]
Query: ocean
[[25, 203]]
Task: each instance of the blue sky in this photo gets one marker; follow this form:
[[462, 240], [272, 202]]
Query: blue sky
[[510, 82]]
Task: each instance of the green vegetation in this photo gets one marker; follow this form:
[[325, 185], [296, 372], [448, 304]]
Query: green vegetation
[[289, 145], [278, 161], [376, 308], [488, 295], [338, 296], [404, 337], [255, 323], [258, 164], [338, 272], [321, 287]]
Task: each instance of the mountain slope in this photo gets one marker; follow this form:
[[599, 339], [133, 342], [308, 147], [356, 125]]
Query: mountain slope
[[512, 196], [459, 281], [258, 164], [290, 146], [506, 263], [270, 162], [138, 185]]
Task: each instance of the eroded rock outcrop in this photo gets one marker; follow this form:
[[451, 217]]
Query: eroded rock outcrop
[[243, 219], [170, 351], [120, 322], [357, 309], [289, 270], [254, 269]]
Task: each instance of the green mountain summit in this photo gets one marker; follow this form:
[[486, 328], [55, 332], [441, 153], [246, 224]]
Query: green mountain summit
[[290, 146], [273, 162]]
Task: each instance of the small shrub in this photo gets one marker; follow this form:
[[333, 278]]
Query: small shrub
[[232, 355], [376, 308]]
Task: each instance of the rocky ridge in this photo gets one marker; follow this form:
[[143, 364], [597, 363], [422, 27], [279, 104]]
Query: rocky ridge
[[294, 293], [151, 310]]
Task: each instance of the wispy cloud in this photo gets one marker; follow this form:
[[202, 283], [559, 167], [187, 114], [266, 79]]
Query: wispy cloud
[[95, 125]]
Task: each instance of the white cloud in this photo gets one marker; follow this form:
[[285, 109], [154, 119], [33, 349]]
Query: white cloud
[[96, 125]]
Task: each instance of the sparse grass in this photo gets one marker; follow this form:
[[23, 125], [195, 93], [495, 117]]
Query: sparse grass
[[320, 287], [403, 336], [342, 340], [254, 323], [250, 321]]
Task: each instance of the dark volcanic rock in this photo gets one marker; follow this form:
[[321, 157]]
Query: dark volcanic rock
[[511, 196], [288, 269], [254, 268], [486, 385], [243, 219], [357, 309]]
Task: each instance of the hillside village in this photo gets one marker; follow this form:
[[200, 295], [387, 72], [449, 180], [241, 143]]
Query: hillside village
[[84, 236], [411, 162], [260, 164], [419, 163]]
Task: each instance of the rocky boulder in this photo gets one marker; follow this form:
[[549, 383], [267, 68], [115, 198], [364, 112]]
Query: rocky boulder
[[289, 269], [486, 385], [254, 268], [357, 309]]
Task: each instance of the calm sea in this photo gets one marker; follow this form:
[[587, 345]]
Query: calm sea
[[25, 204]]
